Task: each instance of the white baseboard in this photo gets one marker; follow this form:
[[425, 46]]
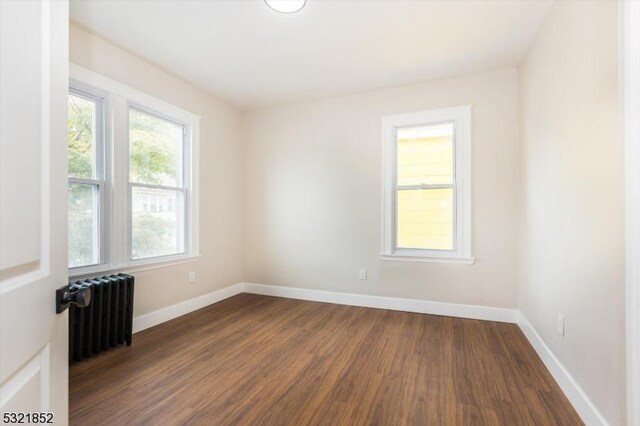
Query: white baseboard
[[392, 303], [578, 398], [583, 405], [145, 321], [142, 322]]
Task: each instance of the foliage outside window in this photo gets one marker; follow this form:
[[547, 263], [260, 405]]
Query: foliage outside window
[[156, 177], [86, 178], [131, 200]]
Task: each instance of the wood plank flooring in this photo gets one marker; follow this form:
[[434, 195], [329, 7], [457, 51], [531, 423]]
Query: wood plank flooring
[[257, 360]]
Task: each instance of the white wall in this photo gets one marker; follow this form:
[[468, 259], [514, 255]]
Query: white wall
[[220, 173], [313, 194], [572, 229], [296, 189]]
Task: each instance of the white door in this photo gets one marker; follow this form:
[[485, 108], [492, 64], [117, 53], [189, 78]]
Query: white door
[[33, 202]]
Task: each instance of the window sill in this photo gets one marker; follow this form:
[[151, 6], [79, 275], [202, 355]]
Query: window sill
[[428, 259], [138, 266]]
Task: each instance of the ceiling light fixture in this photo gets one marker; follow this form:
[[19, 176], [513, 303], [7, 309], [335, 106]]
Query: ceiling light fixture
[[286, 6]]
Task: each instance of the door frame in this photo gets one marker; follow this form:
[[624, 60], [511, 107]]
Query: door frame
[[630, 106]]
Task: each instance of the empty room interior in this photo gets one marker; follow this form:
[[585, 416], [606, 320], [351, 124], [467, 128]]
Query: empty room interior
[[290, 212]]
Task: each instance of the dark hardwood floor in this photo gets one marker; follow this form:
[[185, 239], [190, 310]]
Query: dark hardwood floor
[[257, 360]]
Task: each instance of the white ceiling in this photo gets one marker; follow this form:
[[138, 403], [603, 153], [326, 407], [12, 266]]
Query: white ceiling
[[253, 57]]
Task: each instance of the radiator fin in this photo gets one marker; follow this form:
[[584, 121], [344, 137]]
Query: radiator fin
[[108, 320]]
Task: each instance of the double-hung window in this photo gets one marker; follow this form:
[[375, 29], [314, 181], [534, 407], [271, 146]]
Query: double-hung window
[[132, 178], [156, 173], [87, 182], [427, 188]]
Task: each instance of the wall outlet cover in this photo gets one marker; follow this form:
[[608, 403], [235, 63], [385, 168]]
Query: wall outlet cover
[[362, 274]]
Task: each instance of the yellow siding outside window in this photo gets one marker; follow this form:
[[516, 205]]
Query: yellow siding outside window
[[425, 215]]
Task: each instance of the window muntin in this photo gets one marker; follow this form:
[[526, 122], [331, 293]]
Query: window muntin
[[86, 179], [427, 186], [156, 172]]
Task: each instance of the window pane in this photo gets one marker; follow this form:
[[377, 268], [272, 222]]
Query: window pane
[[81, 134], [155, 151], [425, 219], [425, 155], [84, 235], [156, 231]]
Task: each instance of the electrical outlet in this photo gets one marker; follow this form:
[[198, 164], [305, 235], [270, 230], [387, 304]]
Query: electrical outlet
[[362, 274], [192, 277], [560, 324]]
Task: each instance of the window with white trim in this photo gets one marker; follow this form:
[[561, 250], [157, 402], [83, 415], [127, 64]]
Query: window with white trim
[[156, 172], [427, 188], [132, 177], [86, 174]]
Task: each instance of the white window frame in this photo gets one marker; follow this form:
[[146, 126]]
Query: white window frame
[[101, 172], [117, 217], [182, 185], [460, 117]]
